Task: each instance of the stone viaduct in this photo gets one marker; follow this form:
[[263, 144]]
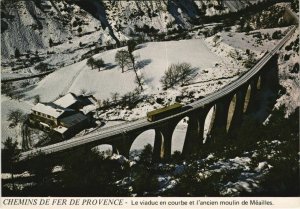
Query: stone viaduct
[[227, 117], [255, 90]]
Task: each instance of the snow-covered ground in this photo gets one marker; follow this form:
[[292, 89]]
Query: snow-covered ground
[[288, 79], [7, 105], [153, 59], [29, 25], [248, 180], [216, 65], [219, 60]]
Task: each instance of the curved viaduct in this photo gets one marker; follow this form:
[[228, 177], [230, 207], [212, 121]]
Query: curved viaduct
[[230, 104]]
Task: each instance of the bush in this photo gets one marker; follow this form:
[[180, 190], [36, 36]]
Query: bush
[[98, 63], [36, 99], [286, 57], [277, 35], [25, 84], [7, 88], [295, 68], [42, 67], [9, 153], [250, 62], [146, 155]]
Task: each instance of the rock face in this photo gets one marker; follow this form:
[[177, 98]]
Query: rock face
[[28, 25]]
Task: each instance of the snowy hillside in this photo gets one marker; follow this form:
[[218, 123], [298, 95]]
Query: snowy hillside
[[110, 62], [153, 60], [289, 76], [29, 25]]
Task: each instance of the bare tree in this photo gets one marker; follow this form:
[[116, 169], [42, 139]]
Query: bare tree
[[137, 76], [124, 99], [99, 64], [122, 58], [15, 117], [131, 46], [178, 73], [169, 78], [98, 106], [185, 73], [140, 80], [115, 96], [129, 99], [106, 102]]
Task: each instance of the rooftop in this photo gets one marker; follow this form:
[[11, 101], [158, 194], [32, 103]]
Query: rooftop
[[60, 129], [50, 109], [72, 120], [87, 100], [66, 101], [87, 109]]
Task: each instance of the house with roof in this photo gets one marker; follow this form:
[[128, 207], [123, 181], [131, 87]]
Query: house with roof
[[66, 116], [84, 104], [68, 101]]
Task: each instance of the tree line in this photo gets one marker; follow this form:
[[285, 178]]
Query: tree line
[[95, 63]]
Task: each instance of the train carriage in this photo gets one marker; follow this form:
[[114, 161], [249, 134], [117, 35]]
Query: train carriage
[[164, 112]]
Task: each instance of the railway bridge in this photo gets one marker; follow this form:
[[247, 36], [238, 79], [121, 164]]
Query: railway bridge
[[229, 105], [226, 112]]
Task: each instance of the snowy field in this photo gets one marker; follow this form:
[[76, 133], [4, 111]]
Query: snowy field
[[215, 65], [152, 58]]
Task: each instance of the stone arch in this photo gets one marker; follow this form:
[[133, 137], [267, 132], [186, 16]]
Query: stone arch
[[144, 138], [259, 84], [231, 111], [163, 140], [209, 122], [179, 135], [159, 143], [247, 98]]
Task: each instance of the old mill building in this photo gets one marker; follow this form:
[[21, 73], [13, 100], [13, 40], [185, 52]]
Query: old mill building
[[66, 116]]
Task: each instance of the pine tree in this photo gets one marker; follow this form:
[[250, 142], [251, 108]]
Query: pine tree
[[17, 53], [50, 42], [9, 155]]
